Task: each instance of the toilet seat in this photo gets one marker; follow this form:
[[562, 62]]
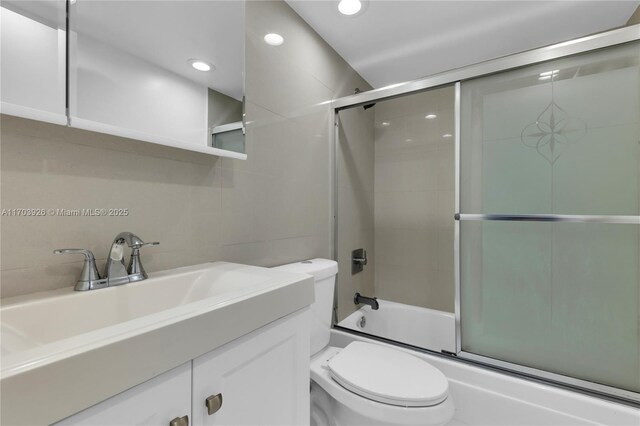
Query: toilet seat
[[346, 404], [388, 375]]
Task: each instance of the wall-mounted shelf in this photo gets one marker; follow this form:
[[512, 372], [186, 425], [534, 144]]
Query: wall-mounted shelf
[[94, 126], [229, 137]]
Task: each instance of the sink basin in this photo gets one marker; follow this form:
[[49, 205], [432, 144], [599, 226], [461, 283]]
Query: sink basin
[[117, 337], [36, 323]]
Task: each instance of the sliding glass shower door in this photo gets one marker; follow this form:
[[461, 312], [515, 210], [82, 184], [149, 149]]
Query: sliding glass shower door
[[549, 224]]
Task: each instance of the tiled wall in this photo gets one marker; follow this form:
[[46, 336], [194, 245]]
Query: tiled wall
[[414, 199], [273, 208], [355, 155]]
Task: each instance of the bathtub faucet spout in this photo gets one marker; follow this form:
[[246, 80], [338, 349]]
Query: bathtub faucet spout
[[371, 301]]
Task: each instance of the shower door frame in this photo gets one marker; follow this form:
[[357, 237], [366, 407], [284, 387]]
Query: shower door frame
[[456, 77]]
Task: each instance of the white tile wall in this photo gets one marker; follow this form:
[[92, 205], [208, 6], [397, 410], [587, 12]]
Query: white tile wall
[[414, 194]]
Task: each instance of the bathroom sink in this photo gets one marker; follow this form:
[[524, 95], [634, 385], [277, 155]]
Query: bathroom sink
[[117, 337], [35, 323]]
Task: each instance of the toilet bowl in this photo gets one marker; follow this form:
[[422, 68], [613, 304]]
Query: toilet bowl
[[411, 392], [366, 383]]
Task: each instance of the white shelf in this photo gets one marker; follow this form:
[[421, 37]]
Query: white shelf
[[32, 113], [93, 126]]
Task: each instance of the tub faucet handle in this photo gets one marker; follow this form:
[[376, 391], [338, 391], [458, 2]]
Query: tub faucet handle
[[358, 260]]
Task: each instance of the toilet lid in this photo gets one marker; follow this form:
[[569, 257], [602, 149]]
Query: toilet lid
[[388, 375]]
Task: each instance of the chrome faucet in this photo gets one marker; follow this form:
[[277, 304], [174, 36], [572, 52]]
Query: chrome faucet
[[371, 301], [115, 272]]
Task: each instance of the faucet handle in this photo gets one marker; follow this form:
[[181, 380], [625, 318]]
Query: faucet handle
[[153, 243], [136, 270], [89, 270], [88, 254]]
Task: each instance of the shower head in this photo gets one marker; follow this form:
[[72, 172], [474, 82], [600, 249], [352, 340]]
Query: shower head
[[367, 106]]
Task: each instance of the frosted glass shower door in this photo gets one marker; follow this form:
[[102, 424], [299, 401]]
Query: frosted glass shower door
[[550, 217]]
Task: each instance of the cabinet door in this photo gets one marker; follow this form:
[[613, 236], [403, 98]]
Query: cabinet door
[[32, 59], [155, 402], [263, 377]]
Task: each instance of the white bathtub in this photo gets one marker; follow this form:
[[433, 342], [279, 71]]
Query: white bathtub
[[421, 327], [485, 397]]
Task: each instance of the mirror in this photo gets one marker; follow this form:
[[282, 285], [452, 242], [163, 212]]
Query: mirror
[[32, 50], [168, 72]]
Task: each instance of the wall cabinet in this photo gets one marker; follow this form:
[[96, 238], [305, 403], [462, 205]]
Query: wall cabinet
[[261, 378], [139, 81], [91, 65], [32, 60]]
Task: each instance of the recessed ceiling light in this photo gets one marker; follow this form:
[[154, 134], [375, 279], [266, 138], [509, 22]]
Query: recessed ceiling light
[[349, 7], [447, 135], [201, 65], [386, 123], [430, 116], [408, 140], [274, 39]]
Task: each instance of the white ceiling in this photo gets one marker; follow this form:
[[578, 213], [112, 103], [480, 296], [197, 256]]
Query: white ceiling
[[393, 41]]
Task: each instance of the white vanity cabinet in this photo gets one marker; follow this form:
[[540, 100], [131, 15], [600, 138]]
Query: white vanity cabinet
[[262, 379], [155, 402]]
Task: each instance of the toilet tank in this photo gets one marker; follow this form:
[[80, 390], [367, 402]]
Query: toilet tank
[[324, 274]]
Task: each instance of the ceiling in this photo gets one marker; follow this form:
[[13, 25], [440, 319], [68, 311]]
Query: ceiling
[[395, 41]]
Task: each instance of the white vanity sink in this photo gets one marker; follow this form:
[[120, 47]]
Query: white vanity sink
[[97, 343], [34, 323]]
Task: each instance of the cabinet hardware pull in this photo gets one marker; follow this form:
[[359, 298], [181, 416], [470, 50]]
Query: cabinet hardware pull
[[180, 421], [213, 403]]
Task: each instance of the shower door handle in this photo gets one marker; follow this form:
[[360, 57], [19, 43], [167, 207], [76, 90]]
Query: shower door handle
[[575, 218]]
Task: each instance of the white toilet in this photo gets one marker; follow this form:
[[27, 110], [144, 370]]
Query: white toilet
[[364, 383]]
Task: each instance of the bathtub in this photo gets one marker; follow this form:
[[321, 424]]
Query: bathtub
[[485, 397], [411, 325]]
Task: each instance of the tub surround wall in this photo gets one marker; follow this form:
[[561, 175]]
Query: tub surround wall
[[355, 192], [395, 195], [414, 200], [272, 209]]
